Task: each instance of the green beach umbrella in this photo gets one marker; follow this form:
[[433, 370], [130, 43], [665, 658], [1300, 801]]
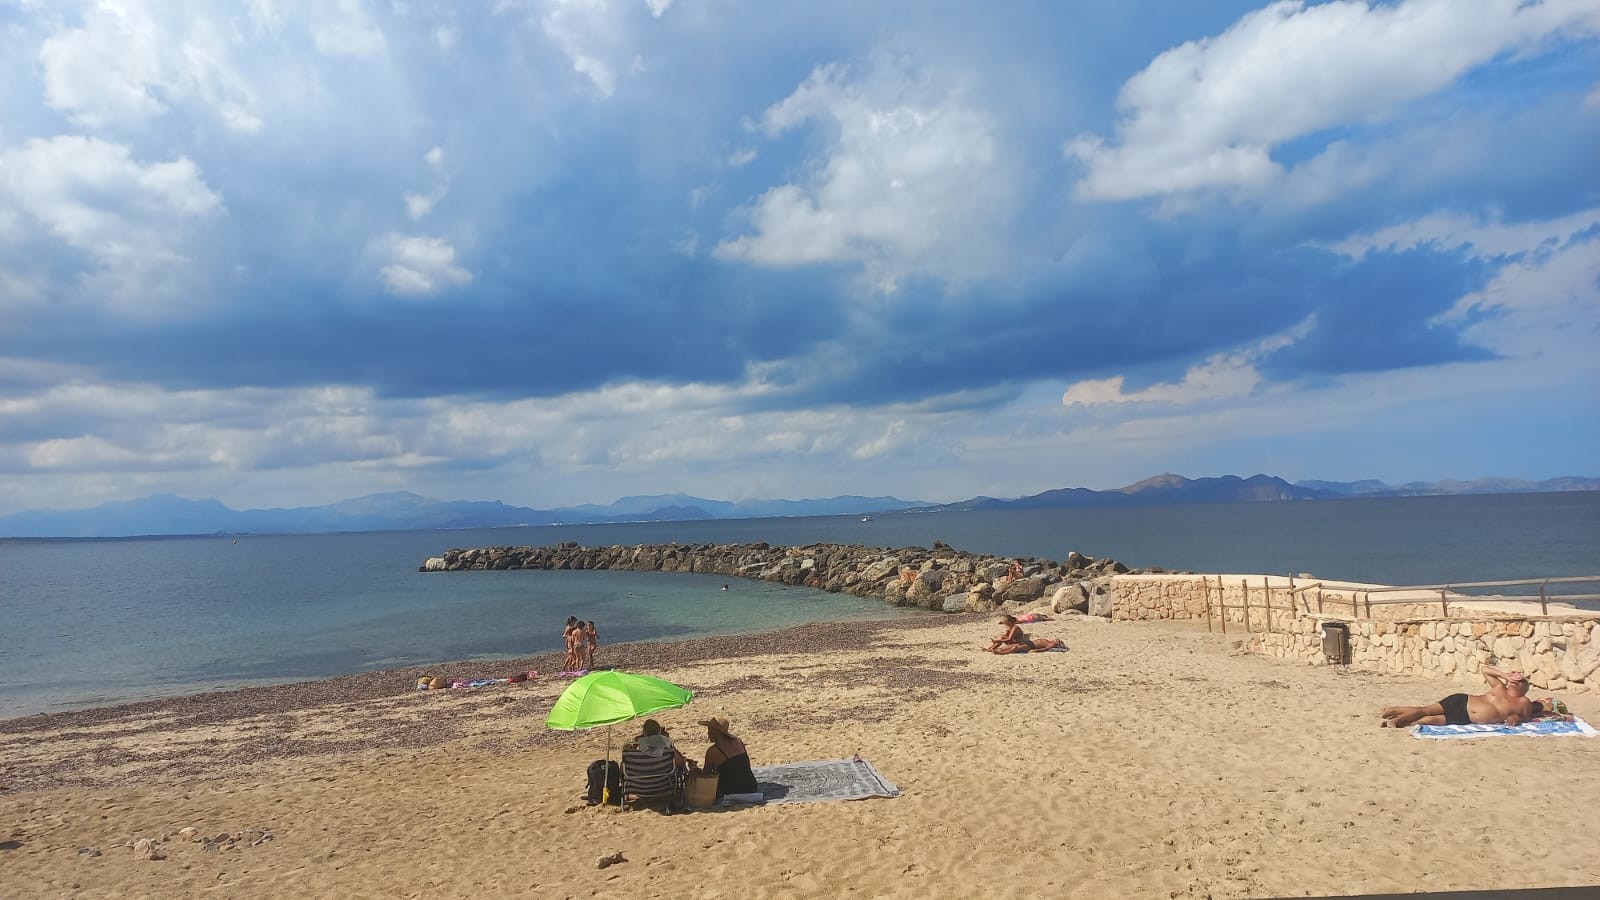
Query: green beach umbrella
[[606, 698]]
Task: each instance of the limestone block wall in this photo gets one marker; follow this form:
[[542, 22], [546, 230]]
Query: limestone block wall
[[1448, 640], [1559, 653]]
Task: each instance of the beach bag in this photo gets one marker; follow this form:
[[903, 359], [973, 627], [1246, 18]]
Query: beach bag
[[604, 774], [700, 791]]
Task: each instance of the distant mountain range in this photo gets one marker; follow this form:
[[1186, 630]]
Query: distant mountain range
[[1175, 489], [400, 511]]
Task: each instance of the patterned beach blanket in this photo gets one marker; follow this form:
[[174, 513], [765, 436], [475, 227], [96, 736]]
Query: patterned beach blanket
[[811, 782], [1537, 728]]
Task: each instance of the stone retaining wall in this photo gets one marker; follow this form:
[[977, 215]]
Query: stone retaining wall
[[1559, 652]]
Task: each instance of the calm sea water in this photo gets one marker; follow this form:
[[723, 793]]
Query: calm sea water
[[91, 622]]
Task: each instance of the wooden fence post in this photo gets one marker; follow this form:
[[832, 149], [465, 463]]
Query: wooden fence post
[[1205, 591], [1222, 604], [1245, 584], [1266, 586]]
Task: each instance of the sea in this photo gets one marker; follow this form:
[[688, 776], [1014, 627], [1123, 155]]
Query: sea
[[96, 622]]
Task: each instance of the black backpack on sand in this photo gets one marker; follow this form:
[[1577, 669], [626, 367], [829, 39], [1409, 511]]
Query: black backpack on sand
[[604, 774]]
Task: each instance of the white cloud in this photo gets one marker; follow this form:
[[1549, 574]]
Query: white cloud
[[590, 36], [128, 61], [446, 37], [890, 439], [344, 28], [1543, 308], [94, 196], [1209, 113], [914, 179], [419, 205], [1222, 377], [658, 8], [421, 266], [1486, 236]]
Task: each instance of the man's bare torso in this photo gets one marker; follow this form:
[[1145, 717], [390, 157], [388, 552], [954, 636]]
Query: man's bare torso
[[1496, 706]]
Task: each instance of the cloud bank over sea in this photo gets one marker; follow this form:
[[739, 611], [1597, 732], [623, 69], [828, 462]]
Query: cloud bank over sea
[[557, 251]]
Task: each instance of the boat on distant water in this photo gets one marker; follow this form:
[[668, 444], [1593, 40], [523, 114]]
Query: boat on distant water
[[866, 518]]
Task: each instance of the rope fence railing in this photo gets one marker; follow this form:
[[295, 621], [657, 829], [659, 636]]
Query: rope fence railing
[[1360, 599]]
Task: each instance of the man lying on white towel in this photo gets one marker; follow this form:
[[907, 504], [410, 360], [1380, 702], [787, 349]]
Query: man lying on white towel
[[1506, 702]]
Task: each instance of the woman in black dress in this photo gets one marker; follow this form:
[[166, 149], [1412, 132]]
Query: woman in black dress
[[728, 758]]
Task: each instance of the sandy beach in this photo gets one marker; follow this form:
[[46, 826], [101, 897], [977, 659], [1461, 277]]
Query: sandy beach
[[1151, 760]]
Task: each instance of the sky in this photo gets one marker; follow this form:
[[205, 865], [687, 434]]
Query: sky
[[286, 252]]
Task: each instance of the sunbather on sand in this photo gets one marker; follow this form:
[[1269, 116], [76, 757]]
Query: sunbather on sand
[[1506, 702], [1015, 640]]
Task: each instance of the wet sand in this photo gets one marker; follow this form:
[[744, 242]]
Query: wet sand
[[1150, 760]]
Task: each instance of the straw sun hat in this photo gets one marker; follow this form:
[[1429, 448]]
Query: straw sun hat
[[717, 723]]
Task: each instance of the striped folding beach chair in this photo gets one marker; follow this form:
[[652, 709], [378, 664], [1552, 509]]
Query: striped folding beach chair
[[649, 777]]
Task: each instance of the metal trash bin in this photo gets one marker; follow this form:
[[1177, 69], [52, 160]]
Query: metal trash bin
[[1336, 643]]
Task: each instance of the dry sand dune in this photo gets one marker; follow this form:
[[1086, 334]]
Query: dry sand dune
[[1148, 761]]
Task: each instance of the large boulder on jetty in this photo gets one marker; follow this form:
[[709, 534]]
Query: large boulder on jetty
[[1070, 596], [881, 569], [1022, 590], [925, 587], [433, 564], [895, 594]]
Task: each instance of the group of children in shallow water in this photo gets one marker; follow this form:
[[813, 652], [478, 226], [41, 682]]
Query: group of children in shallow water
[[581, 640]]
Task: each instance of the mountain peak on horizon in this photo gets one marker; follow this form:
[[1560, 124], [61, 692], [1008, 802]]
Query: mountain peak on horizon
[[1154, 482]]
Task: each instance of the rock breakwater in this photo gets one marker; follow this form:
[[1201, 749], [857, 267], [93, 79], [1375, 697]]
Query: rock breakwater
[[942, 578]]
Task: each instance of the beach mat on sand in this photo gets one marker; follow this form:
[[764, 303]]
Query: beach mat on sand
[[1538, 728], [812, 782]]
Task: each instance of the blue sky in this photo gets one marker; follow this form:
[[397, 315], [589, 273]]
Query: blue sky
[[282, 252]]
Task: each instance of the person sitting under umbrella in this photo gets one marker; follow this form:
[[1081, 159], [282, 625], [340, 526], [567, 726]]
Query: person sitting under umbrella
[[653, 739], [728, 758]]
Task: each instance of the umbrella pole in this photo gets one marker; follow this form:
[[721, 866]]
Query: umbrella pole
[[605, 790]]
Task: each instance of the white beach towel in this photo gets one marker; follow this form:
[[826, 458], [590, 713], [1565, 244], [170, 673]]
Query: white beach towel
[[1541, 728]]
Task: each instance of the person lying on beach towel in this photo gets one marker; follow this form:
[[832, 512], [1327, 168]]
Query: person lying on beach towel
[[1015, 640], [1506, 703]]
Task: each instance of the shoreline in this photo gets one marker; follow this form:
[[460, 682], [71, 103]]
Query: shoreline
[[542, 662], [214, 709]]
